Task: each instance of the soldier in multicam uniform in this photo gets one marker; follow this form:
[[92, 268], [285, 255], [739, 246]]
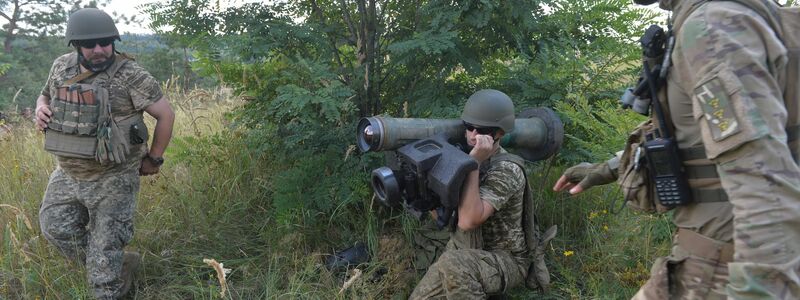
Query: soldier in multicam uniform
[[725, 97], [88, 207], [487, 254]]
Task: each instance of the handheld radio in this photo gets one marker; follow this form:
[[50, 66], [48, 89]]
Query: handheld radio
[[661, 150]]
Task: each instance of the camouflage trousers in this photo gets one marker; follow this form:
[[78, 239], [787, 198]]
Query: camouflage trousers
[[696, 270], [429, 243], [464, 271], [90, 222]]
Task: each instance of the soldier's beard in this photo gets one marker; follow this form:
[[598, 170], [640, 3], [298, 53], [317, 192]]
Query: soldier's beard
[[95, 67]]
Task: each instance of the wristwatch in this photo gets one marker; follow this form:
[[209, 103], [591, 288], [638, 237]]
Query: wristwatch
[[157, 161]]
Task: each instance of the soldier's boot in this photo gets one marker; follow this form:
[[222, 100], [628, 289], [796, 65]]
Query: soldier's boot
[[130, 263]]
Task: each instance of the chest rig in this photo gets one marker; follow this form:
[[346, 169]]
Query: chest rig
[[82, 124]]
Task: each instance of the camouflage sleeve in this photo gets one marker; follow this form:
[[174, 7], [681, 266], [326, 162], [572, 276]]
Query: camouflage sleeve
[[46, 88], [57, 71], [726, 56], [143, 87], [501, 183]]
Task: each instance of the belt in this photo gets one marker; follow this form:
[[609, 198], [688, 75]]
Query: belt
[[705, 247]]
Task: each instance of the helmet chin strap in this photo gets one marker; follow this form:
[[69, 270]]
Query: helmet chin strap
[[97, 68]]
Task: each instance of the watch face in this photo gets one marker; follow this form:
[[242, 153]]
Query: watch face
[[158, 161]]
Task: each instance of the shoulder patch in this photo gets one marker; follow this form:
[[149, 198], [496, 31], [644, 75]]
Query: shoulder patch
[[717, 109]]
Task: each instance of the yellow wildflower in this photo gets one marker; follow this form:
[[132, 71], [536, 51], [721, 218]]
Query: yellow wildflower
[[569, 253]]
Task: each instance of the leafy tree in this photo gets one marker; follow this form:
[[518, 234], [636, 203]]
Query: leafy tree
[[29, 64], [33, 37], [36, 17], [313, 67], [25, 17], [309, 69]]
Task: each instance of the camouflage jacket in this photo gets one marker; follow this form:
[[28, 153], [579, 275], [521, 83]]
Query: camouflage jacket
[[503, 186], [722, 94]]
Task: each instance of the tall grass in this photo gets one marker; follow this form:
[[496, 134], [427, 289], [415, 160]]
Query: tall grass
[[213, 200], [27, 270], [602, 251]]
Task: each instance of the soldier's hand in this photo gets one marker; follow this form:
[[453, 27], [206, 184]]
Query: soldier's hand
[[43, 115], [147, 167], [583, 176], [484, 148]]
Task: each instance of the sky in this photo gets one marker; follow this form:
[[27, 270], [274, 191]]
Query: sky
[[128, 7]]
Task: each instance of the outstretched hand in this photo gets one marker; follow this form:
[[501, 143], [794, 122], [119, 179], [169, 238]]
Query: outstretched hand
[[564, 183], [583, 176]]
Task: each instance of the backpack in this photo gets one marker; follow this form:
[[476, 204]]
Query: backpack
[[536, 242]]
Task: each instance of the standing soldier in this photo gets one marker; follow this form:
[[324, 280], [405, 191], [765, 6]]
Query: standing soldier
[[91, 109], [731, 100]]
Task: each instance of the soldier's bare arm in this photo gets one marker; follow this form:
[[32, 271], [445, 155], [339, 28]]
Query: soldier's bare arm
[[165, 117], [473, 211]]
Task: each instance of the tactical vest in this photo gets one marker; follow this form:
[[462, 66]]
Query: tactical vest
[[535, 241], [785, 22], [82, 124]]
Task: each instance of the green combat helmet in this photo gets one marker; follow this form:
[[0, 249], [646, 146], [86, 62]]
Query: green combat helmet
[[90, 23], [489, 108]]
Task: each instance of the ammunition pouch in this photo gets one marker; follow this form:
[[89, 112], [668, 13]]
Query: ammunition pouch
[[77, 114], [82, 125]]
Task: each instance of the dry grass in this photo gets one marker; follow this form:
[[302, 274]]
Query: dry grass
[[213, 199]]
